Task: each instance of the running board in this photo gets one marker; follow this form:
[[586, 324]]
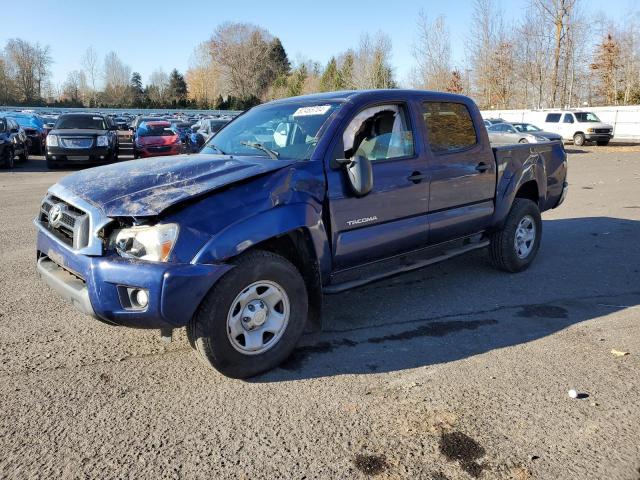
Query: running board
[[341, 287]]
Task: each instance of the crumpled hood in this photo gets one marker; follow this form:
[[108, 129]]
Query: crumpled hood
[[142, 188]]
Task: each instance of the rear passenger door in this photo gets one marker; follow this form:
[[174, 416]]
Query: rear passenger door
[[391, 219], [462, 170]]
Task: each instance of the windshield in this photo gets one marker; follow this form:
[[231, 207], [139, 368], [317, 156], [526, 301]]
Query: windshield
[[290, 131], [586, 117], [80, 121], [526, 127], [162, 130]]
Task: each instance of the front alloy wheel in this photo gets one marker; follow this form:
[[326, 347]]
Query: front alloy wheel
[[258, 317]]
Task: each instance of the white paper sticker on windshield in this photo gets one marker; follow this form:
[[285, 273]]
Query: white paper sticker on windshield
[[97, 118], [315, 110]]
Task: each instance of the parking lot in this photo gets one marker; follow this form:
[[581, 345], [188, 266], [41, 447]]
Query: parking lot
[[453, 371]]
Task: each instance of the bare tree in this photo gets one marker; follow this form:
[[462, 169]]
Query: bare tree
[[91, 65], [116, 79], [371, 66], [242, 51], [158, 87], [432, 51], [30, 64], [72, 87], [559, 13]]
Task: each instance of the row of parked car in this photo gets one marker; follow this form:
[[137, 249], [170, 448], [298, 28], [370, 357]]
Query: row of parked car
[[578, 127], [92, 138]]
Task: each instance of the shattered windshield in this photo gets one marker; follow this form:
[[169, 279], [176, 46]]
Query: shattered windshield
[[285, 131]]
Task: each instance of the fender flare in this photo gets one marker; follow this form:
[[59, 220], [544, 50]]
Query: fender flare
[[532, 169], [251, 231]]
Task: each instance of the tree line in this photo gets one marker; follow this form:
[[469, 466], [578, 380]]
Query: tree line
[[555, 55]]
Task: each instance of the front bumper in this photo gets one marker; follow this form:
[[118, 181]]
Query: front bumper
[[95, 285], [80, 155], [156, 151], [598, 137]]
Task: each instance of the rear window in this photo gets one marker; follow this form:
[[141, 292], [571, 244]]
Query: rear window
[[553, 117], [81, 121], [449, 126]]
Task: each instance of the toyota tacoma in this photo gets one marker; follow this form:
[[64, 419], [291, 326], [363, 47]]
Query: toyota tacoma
[[291, 200]]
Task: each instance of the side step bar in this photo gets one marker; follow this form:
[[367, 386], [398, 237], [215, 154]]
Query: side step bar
[[341, 287]]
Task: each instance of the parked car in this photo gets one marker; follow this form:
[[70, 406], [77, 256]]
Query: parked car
[[492, 121], [579, 127], [534, 130], [139, 119], [156, 138], [33, 127], [82, 138], [239, 243], [13, 141], [183, 128], [121, 122], [209, 126], [508, 134]]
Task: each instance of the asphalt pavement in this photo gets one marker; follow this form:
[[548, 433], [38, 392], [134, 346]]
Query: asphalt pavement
[[455, 371]]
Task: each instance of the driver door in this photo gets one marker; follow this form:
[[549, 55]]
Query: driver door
[[391, 219]]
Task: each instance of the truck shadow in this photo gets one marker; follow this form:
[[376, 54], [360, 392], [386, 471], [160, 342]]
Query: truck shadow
[[463, 308]]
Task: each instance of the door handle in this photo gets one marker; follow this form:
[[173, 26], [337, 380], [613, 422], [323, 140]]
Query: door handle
[[482, 167], [417, 177]]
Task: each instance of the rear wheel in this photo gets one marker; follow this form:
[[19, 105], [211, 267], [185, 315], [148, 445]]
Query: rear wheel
[[252, 318], [578, 139], [516, 245]]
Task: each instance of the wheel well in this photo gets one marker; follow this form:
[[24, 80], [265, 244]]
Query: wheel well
[[529, 190], [296, 246], [578, 132]]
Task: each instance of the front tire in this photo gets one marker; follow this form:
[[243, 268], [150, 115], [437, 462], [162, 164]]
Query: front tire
[[579, 139], [8, 160], [51, 165], [515, 246], [24, 156], [252, 319]]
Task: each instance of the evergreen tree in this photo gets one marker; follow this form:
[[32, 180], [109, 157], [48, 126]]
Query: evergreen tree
[[177, 91], [345, 77], [330, 81], [279, 62], [137, 92], [296, 81]]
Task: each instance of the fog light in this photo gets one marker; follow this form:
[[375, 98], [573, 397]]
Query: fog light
[[135, 299], [141, 298]]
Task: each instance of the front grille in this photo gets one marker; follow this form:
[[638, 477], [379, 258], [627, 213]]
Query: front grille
[[77, 142], [70, 224], [159, 148], [603, 130]]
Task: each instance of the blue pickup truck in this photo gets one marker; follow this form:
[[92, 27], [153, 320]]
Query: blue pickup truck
[[293, 199]]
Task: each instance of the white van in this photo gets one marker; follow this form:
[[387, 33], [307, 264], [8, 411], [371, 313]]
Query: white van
[[580, 127]]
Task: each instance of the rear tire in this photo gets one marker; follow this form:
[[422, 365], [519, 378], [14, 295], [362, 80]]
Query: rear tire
[[603, 143], [579, 139], [515, 246], [242, 333]]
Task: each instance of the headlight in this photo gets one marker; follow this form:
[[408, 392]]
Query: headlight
[[52, 140], [589, 130], [540, 139], [103, 141], [144, 242]]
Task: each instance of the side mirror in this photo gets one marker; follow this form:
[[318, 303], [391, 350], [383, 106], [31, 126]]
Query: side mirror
[[359, 174]]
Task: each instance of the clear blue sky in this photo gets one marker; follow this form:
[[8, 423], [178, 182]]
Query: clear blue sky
[[152, 34]]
